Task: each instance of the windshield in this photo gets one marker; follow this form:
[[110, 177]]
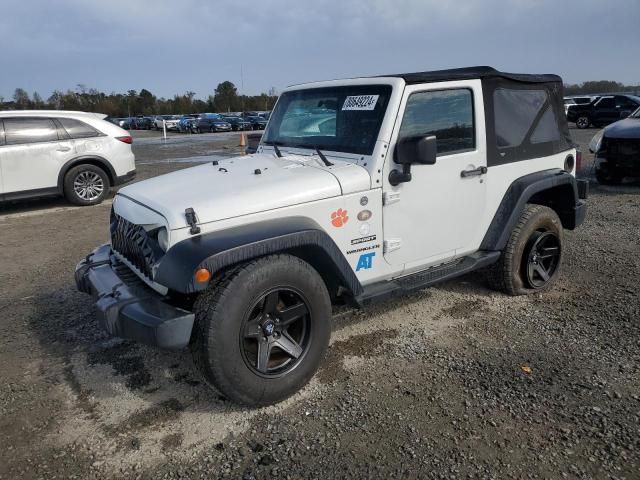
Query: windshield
[[341, 119], [635, 114]]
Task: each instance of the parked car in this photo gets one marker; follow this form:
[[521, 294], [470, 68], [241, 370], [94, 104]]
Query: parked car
[[212, 122], [188, 124], [171, 122], [238, 123], [75, 154], [120, 122], [141, 123], [602, 111], [257, 123], [241, 259], [159, 119], [248, 114], [617, 150], [578, 100]]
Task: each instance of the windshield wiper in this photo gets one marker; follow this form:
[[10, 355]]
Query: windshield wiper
[[275, 148], [322, 156]]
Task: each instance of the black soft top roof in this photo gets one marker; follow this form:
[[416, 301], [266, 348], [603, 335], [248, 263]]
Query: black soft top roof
[[472, 73]]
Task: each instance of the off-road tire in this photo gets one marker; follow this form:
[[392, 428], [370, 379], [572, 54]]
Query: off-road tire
[[220, 311], [508, 274], [72, 175]]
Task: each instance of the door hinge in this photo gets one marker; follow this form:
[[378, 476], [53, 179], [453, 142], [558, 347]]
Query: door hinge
[[390, 197], [391, 244]]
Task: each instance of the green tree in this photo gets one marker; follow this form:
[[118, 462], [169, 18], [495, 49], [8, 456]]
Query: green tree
[[225, 97], [21, 97]]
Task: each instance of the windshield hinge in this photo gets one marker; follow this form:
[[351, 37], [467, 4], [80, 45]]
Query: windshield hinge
[[390, 197], [192, 220], [391, 244]]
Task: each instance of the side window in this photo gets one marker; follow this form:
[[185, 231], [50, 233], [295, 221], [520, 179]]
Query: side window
[[77, 129], [515, 114], [29, 130], [607, 102], [625, 102], [547, 129], [447, 114]]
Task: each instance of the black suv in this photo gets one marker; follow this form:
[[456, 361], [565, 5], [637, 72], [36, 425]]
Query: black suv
[[603, 111]]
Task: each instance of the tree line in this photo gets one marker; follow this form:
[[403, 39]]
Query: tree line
[[599, 86], [224, 99]]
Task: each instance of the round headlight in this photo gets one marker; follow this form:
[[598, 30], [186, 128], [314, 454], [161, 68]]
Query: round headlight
[[163, 239]]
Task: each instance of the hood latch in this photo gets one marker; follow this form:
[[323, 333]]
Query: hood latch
[[192, 220]]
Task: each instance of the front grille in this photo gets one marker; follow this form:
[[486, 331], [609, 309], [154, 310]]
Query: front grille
[[133, 243], [623, 147]]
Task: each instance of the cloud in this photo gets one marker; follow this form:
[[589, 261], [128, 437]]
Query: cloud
[[171, 46]]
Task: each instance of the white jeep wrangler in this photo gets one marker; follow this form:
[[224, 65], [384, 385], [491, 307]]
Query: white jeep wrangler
[[360, 189]]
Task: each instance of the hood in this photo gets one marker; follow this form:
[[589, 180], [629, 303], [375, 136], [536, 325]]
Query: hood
[[627, 128], [234, 187]]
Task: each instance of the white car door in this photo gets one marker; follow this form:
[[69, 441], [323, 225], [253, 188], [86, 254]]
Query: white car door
[[33, 154], [436, 215]]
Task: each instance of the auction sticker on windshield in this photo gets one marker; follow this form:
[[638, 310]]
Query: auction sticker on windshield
[[360, 102]]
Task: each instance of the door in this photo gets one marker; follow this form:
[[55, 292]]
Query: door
[[33, 154], [435, 216], [625, 106], [1, 154], [605, 111]]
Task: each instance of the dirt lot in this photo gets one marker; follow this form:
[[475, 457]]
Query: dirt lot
[[429, 386]]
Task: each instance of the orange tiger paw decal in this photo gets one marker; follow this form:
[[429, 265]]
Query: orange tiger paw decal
[[339, 218]]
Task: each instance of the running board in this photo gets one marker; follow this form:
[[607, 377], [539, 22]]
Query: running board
[[425, 278]]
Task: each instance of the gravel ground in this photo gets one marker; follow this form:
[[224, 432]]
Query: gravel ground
[[453, 382]]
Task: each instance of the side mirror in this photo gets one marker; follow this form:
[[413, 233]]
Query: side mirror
[[416, 150], [412, 150]]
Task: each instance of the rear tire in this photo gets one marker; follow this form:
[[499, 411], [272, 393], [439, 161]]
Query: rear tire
[[86, 185], [532, 257], [248, 320]]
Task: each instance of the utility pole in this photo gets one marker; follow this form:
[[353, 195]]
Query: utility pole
[[242, 87]]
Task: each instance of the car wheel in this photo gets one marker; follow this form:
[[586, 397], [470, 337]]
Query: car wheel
[[261, 332], [531, 260], [86, 185], [583, 122]]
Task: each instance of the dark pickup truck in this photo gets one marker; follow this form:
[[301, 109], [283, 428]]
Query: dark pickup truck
[[602, 111]]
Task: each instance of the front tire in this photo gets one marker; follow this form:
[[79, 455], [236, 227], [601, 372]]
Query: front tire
[[86, 185], [531, 260], [261, 332], [583, 121]]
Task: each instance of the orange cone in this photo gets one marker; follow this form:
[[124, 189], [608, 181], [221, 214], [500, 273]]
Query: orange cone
[[243, 140]]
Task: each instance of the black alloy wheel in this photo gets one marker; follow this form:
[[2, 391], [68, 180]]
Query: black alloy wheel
[[276, 333], [583, 122], [542, 258]]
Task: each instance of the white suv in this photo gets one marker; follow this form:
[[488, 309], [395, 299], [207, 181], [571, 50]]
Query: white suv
[[360, 189], [75, 154]]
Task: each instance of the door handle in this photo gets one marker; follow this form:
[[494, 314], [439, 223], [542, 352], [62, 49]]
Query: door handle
[[62, 148], [474, 172]]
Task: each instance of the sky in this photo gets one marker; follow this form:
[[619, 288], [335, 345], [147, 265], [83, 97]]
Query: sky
[[175, 46]]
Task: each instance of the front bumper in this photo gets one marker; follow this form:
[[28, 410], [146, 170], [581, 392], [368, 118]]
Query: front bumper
[[126, 307], [581, 205]]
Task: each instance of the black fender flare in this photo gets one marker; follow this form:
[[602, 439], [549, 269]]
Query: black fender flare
[[93, 159], [526, 189], [218, 250]]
